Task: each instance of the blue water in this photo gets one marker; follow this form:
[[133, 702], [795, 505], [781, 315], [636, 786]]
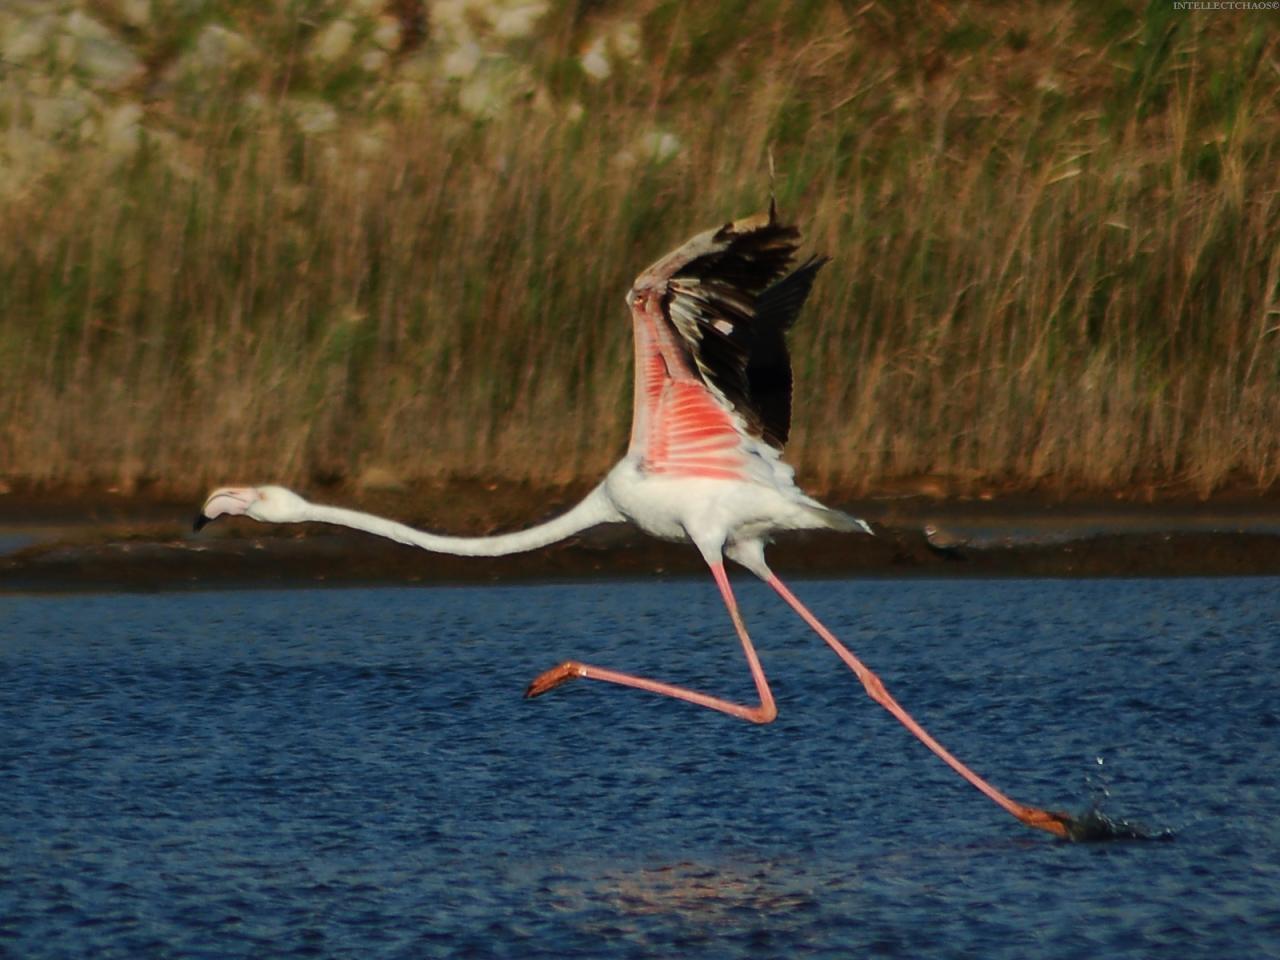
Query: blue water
[[355, 774]]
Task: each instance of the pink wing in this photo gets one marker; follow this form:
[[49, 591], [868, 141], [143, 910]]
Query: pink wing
[[713, 379], [680, 427]]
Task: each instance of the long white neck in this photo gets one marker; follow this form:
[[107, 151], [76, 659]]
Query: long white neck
[[595, 509]]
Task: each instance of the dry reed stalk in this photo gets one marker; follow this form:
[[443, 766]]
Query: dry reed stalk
[[1029, 289]]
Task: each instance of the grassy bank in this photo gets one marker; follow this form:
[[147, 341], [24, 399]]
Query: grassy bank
[[1054, 230]]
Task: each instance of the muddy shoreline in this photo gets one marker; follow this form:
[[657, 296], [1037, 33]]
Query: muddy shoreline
[[109, 543]]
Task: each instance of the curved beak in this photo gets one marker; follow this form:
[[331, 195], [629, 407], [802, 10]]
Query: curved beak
[[226, 501]]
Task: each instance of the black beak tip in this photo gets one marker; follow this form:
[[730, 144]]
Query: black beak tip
[[200, 522]]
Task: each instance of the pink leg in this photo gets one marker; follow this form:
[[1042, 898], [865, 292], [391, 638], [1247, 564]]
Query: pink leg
[[764, 713], [1055, 823]]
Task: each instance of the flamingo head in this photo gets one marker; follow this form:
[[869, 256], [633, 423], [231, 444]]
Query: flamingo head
[[265, 504]]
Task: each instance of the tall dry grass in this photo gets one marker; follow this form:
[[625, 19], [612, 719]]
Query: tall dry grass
[[1055, 240]]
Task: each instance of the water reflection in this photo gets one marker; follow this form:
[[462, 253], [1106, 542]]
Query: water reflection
[[705, 891]]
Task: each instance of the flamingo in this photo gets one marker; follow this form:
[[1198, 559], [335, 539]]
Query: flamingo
[[712, 411]]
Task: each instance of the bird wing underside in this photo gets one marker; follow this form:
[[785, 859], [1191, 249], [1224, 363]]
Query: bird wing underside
[[692, 435], [711, 320]]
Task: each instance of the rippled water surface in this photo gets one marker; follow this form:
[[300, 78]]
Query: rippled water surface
[[355, 774]]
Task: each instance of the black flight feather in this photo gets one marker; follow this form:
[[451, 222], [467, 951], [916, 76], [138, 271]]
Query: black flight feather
[[733, 311]]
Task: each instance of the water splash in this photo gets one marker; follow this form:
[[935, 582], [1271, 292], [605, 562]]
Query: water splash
[[1094, 826]]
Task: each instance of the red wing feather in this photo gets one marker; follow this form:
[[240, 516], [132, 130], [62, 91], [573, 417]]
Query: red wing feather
[[691, 434], [680, 428]]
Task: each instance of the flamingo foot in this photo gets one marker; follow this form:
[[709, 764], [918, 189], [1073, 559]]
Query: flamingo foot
[[1061, 825], [1091, 827], [550, 679]]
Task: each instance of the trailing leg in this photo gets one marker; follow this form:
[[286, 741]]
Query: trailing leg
[[1056, 823]]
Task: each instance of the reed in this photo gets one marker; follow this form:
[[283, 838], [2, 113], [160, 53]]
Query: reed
[[1054, 235]]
